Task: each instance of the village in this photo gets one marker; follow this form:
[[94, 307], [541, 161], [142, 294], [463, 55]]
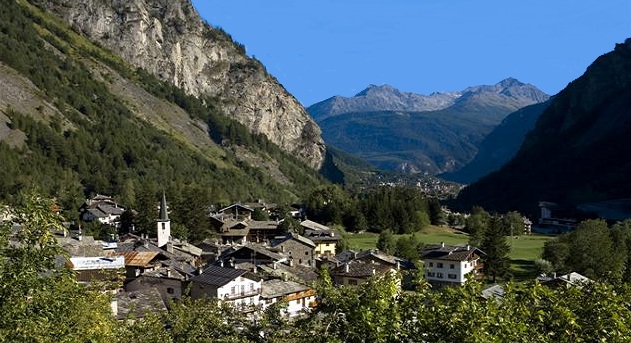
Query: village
[[249, 264]]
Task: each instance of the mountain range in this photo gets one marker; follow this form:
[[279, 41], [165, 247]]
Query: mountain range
[[409, 132], [577, 152], [499, 146]]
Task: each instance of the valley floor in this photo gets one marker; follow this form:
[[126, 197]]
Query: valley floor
[[525, 249]]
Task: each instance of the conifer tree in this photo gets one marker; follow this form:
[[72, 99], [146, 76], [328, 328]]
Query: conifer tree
[[496, 249]]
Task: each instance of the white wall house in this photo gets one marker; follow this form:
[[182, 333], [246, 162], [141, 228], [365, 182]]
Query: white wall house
[[235, 286], [299, 298], [450, 265]]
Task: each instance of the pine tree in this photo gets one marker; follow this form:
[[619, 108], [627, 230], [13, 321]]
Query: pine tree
[[496, 249]]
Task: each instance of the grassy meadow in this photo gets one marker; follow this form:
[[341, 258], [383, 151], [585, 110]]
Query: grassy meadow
[[524, 249]]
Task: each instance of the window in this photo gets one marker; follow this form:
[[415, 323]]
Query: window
[[251, 287], [352, 282], [439, 275], [242, 289], [452, 276], [306, 253], [232, 290], [452, 266], [431, 274], [170, 290], [431, 264], [439, 264]]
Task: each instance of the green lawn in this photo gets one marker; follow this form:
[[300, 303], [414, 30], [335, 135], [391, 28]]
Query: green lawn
[[525, 249]]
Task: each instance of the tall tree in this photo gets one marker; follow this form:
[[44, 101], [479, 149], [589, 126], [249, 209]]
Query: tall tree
[[496, 249], [386, 242], [475, 225]]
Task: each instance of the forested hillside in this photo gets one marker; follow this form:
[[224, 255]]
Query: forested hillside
[[577, 152], [79, 121]]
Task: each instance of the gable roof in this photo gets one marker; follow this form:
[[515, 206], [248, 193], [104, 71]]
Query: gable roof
[[97, 263], [282, 239], [255, 248], [360, 269], [138, 303], [449, 252], [237, 205], [137, 258], [277, 288], [218, 276], [309, 224]]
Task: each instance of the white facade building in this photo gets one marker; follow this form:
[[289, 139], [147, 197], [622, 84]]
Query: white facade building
[[235, 286], [451, 265]]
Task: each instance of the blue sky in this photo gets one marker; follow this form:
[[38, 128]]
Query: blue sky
[[318, 49]]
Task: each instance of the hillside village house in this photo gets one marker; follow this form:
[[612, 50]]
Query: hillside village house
[[103, 209], [451, 265], [299, 297], [299, 248], [234, 286], [325, 238]]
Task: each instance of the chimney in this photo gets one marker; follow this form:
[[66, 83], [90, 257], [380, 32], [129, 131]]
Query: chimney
[[291, 262], [200, 270], [442, 244], [398, 265], [274, 265], [346, 268], [169, 272], [468, 247], [374, 271], [554, 275], [231, 262], [170, 247], [221, 263], [114, 306]]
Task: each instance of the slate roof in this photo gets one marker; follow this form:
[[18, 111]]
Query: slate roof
[[139, 303], [360, 270], [218, 276], [449, 252], [278, 288], [309, 224], [237, 205], [254, 247], [263, 225], [298, 273], [282, 239], [321, 235]]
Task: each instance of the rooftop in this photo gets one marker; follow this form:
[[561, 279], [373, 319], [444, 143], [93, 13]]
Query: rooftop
[[218, 276], [278, 288]]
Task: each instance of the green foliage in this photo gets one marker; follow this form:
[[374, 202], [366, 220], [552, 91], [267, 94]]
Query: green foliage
[[408, 247], [495, 248], [39, 303], [386, 242], [593, 249], [476, 224]]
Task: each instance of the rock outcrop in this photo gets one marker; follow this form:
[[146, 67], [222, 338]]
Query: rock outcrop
[[169, 39]]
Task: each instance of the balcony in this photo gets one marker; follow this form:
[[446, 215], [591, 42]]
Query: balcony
[[244, 294]]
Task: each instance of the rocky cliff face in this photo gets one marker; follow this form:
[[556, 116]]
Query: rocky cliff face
[[169, 39]]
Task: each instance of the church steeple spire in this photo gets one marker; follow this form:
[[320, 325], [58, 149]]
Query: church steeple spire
[[164, 224], [164, 214]]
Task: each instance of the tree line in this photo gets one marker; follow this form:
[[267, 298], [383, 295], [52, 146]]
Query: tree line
[[402, 210]]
